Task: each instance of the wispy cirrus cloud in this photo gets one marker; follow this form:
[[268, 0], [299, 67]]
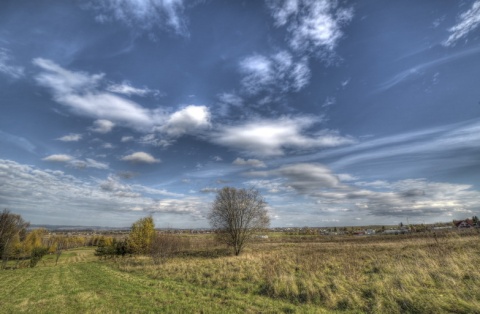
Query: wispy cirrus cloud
[[75, 162], [73, 137], [255, 163], [313, 25], [127, 89], [272, 137], [18, 141], [7, 67], [143, 15], [420, 69], [468, 21], [279, 72]]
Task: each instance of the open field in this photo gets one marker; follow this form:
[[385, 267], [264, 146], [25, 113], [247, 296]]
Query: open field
[[380, 274]]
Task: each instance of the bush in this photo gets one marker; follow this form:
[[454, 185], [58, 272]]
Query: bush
[[37, 254], [165, 246]]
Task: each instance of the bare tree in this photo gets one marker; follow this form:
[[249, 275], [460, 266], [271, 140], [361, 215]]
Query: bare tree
[[237, 214]]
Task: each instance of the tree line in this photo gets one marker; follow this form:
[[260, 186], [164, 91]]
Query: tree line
[[236, 216]]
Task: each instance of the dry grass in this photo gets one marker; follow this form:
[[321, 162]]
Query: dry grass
[[391, 274]]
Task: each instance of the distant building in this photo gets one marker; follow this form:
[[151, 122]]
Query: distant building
[[462, 224]]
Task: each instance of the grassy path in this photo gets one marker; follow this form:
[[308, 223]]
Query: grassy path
[[78, 285]]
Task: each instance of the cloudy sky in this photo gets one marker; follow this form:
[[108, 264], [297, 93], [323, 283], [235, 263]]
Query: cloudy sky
[[339, 112]]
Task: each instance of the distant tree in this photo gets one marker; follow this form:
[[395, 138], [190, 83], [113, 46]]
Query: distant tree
[[13, 229], [141, 235], [475, 220], [236, 215]]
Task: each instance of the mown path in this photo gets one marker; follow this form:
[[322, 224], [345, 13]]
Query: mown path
[[80, 285]]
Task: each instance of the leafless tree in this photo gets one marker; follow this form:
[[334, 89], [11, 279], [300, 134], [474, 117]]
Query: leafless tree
[[237, 214]]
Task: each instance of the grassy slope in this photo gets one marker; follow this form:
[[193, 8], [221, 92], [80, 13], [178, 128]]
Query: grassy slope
[[80, 285]]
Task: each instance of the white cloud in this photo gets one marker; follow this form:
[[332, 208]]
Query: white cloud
[[468, 22], [102, 126], [230, 99], [272, 137], [127, 89], [81, 93], [58, 158], [187, 120], [144, 15], [127, 139], [77, 163], [313, 25], [56, 195], [70, 138], [6, 66], [88, 163], [152, 139], [345, 177], [78, 91], [277, 72], [255, 163], [141, 157], [209, 190], [405, 198], [303, 177]]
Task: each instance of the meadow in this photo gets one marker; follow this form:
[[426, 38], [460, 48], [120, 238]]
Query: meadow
[[417, 273]]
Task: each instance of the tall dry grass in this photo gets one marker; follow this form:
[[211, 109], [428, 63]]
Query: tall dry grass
[[391, 274]]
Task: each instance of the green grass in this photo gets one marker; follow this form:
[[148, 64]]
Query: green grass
[[394, 274], [97, 287]]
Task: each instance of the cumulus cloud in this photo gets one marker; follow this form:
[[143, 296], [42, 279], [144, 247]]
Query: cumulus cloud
[[313, 25], [255, 163], [126, 88], [82, 94], [278, 72], [70, 138], [141, 157], [467, 22], [146, 15], [187, 120], [272, 137], [7, 67], [102, 126], [58, 158]]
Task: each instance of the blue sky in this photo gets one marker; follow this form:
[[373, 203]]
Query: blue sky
[[339, 112]]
